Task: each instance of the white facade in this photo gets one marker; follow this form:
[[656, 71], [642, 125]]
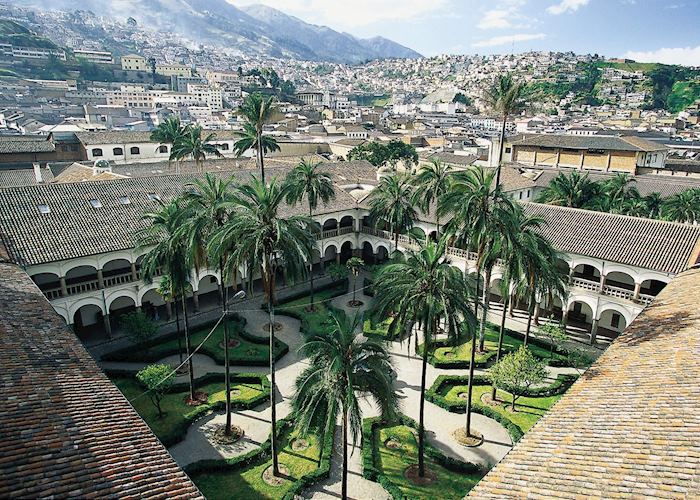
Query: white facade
[[95, 56], [133, 62]]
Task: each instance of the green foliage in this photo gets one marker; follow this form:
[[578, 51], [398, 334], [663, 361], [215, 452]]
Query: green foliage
[[139, 328], [157, 379], [463, 99], [682, 95], [517, 372], [337, 272], [555, 334], [379, 154], [664, 78], [355, 265]]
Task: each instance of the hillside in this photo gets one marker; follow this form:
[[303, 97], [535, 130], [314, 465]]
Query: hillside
[[19, 36]]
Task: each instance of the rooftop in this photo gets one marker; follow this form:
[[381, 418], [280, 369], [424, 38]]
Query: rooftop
[[620, 431], [628, 143], [67, 430]]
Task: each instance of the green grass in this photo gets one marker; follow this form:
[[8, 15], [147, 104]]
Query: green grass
[[683, 95], [381, 329], [248, 483], [174, 407], [317, 320], [245, 353], [528, 410], [393, 463]]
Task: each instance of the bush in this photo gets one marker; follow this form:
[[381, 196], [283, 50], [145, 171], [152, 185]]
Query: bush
[[157, 379], [138, 327]]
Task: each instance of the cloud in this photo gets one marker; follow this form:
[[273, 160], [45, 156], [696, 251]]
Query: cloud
[[504, 14], [348, 15], [507, 39], [687, 56], [566, 6], [495, 19]]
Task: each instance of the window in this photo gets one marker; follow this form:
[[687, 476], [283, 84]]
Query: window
[[528, 193], [118, 152], [96, 152], [520, 195], [163, 149], [508, 151], [44, 209], [124, 200], [615, 320], [135, 151], [223, 147], [95, 203]]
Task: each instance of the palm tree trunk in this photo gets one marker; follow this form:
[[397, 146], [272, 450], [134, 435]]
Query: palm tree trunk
[[530, 300], [484, 309], [311, 269], [177, 328], [500, 152], [470, 387], [188, 347], [344, 491], [261, 159], [501, 333], [227, 362], [421, 418], [270, 277]]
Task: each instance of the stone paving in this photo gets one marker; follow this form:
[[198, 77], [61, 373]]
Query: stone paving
[[439, 423]]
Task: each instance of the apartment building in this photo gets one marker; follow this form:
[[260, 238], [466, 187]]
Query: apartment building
[[134, 62], [31, 52], [173, 70], [96, 56]]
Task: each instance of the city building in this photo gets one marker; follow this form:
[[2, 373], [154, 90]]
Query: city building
[[134, 62], [96, 56]]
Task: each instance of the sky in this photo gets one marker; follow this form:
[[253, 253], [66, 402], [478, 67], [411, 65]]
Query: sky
[[645, 30]]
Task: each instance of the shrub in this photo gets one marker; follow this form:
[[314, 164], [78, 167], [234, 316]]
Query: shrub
[[517, 372], [157, 379], [138, 327]]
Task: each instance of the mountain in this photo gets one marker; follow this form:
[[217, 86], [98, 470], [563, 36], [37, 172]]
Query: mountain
[[251, 30]]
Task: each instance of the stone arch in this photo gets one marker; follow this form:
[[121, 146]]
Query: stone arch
[[115, 267], [104, 259], [586, 270], [81, 279], [329, 224], [347, 221], [346, 251], [86, 301], [329, 253], [49, 283], [652, 286], [621, 310], [382, 253], [581, 312], [88, 319], [144, 290], [68, 266], [367, 252], [152, 304], [620, 279], [63, 312], [121, 294]]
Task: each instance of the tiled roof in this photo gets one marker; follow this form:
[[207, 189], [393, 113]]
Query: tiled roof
[[646, 243], [38, 145], [453, 159], [630, 426], [628, 143], [23, 177], [67, 431], [128, 137], [81, 173], [73, 228]]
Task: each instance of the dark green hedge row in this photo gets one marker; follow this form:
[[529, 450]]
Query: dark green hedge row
[[262, 454], [126, 354], [342, 284], [370, 459]]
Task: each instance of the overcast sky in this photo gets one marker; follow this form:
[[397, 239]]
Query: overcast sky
[[645, 30]]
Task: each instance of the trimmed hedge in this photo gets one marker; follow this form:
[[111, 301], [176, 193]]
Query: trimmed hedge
[[370, 460], [262, 454], [344, 284], [126, 354], [177, 433]]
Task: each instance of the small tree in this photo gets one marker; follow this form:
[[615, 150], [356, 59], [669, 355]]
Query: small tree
[[337, 272], [517, 372], [354, 265], [578, 358], [138, 327], [157, 379], [555, 335]]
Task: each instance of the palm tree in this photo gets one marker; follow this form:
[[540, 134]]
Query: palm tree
[[654, 202], [505, 97], [431, 184], [168, 254], [573, 190], [193, 145], [427, 291], [170, 131], [257, 236], [341, 366], [208, 202], [257, 111], [617, 195], [306, 181], [169, 294], [683, 207], [482, 219], [392, 201]]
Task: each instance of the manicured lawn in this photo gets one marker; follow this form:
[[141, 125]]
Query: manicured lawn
[[528, 410], [393, 462], [317, 320], [175, 420], [380, 329], [248, 483], [245, 352]]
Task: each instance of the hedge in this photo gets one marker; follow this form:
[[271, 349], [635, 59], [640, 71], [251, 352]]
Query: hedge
[[178, 432], [126, 353], [344, 284], [262, 454], [370, 460]]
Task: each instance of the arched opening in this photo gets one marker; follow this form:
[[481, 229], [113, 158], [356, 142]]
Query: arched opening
[[153, 305], [433, 235], [587, 272], [162, 149], [81, 279], [118, 152], [367, 253], [88, 323], [96, 152], [49, 284], [382, 254], [495, 290], [418, 233], [208, 292], [116, 272], [316, 264], [329, 255], [397, 256], [346, 252], [611, 323], [563, 267], [620, 280], [580, 316], [330, 224], [118, 308], [347, 222], [135, 151], [652, 288]]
